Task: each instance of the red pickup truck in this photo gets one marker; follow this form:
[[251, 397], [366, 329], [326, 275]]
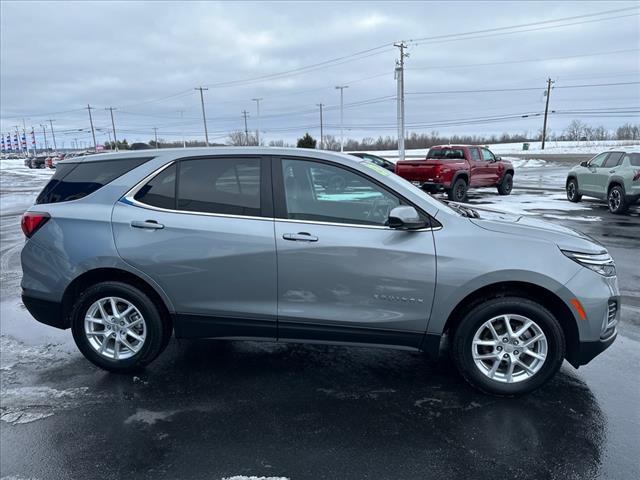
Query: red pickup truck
[[455, 168]]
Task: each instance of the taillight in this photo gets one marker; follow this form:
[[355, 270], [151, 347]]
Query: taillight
[[32, 221], [636, 176]]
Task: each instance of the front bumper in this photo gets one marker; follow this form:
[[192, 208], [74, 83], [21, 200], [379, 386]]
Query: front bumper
[[45, 311], [587, 351]]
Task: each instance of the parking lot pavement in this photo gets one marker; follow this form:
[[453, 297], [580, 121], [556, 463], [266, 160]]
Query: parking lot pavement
[[210, 409]]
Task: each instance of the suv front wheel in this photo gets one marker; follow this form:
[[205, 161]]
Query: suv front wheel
[[508, 346], [573, 195], [117, 327]]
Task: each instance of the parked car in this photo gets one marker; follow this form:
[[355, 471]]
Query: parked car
[[613, 176], [455, 168], [244, 243], [380, 161], [38, 161]]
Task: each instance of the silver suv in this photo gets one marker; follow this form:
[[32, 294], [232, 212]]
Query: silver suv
[[127, 249]]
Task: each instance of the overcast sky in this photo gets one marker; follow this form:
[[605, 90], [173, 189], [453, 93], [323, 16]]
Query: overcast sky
[[145, 59]]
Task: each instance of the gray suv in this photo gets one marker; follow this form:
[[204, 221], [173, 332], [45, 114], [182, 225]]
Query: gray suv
[[127, 249]]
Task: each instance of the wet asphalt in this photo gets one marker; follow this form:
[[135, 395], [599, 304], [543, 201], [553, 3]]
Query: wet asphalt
[[214, 409]]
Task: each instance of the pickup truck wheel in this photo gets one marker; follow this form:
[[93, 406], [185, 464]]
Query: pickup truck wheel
[[458, 191], [506, 185], [616, 201], [572, 191], [508, 346]]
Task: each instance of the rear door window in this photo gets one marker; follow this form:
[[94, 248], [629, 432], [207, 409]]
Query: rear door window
[[613, 159], [73, 181], [220, 185], [160, 191]]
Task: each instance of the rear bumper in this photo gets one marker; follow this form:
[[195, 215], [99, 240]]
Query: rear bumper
[[431, 187], [587, 351], [45, 311]]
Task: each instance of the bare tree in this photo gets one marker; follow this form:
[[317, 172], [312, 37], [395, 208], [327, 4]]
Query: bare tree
[[575, 130], [238, 138]]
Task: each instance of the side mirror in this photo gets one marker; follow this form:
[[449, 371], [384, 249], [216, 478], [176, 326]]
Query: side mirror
[[405, 218], [498, 159], [584, 163]]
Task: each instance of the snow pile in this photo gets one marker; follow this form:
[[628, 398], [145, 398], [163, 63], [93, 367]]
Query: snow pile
[[530, 163]]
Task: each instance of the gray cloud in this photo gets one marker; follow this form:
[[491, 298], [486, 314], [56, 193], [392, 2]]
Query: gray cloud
[[145, 59]]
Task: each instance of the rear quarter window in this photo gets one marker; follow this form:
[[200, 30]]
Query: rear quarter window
[[73, 181], [634, 159]]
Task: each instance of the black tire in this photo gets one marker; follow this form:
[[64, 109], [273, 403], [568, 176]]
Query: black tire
[[158, 329], [506, 185], [573, 194], [616, 201], [458, 191], [478, 315]]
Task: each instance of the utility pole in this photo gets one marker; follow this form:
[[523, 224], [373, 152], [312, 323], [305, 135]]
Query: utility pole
[[546, 111], [257, 100], [246, 130], [204, 116], [155, 132], [113, 125], [400, 97], [341, 88], [93, 132], [55, 148], [321, 125], [44, 131], [184, 141]]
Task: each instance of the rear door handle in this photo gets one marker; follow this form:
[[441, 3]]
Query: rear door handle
[[148, 224], [300, 237]]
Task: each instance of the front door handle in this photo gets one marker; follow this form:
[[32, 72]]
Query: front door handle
[[148, 224], [300, 237]]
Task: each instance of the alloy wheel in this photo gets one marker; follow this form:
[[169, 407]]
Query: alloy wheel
[[615, 199], [115, 328], [509, 348]]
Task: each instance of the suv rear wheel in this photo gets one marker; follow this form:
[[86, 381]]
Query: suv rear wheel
[[616, 201], [508, 346], [117, 327], [458, 191], [573, 194], [506, 185]]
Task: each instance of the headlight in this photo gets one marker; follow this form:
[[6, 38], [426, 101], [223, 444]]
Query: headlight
[[601, 263]]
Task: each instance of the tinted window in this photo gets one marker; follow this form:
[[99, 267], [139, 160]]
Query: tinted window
[[161, 190], [446, 153], [598, 160], [319, 192], [487, 155], [634, 159], [613, 159], [220, 185], [76, 180], [475, 154]]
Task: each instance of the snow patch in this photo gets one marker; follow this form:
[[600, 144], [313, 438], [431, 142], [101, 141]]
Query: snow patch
[[149, 417], [16, 417]]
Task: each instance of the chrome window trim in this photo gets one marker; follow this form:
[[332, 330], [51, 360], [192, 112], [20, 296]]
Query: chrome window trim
[[130, 198], [356, 225]]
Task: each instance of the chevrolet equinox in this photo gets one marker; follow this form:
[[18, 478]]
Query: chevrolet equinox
[[128, 249]]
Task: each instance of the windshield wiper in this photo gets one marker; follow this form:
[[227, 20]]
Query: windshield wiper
[[464, 211]]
